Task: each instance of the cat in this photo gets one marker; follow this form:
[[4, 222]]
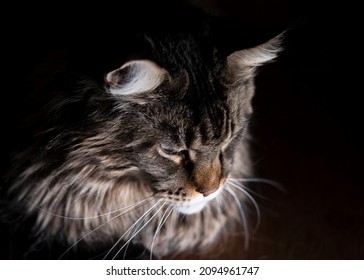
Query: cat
[[146, 143]]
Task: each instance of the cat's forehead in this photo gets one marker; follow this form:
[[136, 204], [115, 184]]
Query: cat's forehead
[[182, 50], [195, 99], [193, 121], [196, 70]]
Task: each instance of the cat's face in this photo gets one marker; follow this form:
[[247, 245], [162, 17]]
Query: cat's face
[[158, 136], [184, 138], [182, 128]]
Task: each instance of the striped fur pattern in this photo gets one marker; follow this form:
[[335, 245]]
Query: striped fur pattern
[[146, 153]]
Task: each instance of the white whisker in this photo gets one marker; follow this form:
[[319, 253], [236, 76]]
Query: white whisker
[[130, 208], [172, 222], [219, 204], [256, 206], [244, 218], [260, 180], [127, 242], [132, 226], [161, 223], [85, 218]]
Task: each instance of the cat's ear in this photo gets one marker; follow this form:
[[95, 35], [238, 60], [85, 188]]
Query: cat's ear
[[135, 76], [255, 56]]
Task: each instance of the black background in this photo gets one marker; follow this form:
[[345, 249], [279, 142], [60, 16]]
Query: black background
[[308, 130], [307, 127]]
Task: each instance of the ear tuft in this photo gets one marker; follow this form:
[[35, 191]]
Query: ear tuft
[[258, 55], [134, 77]]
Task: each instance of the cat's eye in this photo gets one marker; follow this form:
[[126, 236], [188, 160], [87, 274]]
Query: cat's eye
[[168, 150], [176, 154]]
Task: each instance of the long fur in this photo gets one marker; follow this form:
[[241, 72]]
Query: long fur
[[148, 162]]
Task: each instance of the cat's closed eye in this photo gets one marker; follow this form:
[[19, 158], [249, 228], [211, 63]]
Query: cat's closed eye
[[169, 150], [175, 154]]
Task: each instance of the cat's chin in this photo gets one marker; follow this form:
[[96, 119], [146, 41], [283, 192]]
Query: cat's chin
[[196, 205], [191, 209]]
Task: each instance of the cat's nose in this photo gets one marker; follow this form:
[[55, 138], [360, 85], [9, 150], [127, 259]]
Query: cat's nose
[[206, 191], [207, 175]]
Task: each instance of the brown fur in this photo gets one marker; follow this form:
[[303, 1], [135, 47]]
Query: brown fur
[[145, 153]]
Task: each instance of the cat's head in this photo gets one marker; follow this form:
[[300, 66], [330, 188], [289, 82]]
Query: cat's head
[[182, 119], [166, 127]]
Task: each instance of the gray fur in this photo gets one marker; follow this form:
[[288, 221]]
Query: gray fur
[[165, 145]]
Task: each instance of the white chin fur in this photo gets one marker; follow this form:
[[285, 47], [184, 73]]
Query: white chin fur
[[191, 208], [196, 205]]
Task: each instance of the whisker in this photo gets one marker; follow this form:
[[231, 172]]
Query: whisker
[[136, 227], [131, 227], [131, 207], [127, 242], [219, 202], [84, 218], [256, 206], [261, 180], [172, 223], [244, 218], [161, 223]]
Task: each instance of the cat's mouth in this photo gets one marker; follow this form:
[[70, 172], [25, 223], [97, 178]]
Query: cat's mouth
[[196, 204]]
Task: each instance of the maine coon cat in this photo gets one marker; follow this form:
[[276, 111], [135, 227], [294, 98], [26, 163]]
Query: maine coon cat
[[145, 143]]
